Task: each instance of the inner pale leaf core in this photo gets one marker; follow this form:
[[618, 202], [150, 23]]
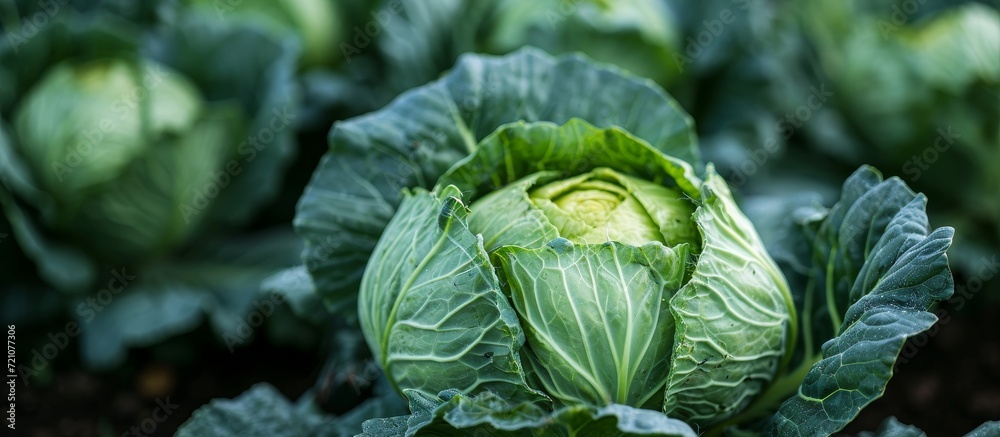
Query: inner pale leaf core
[[604, 205]]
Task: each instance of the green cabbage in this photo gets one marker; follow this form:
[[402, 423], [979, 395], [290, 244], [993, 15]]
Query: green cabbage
[[134, 142], [615, 279]]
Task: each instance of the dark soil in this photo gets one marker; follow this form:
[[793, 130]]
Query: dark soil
[[950, 384], [80, 403]]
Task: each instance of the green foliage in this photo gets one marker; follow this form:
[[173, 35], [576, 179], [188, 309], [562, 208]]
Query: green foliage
[[878, 267], [142, 154], [484, 257], [420, 40], [489, 415], [315, 24], [518, 241], [109, 156], [357, 186], [261, 411]]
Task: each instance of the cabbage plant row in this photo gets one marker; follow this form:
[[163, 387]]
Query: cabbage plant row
[[513, 229], [532, 246]]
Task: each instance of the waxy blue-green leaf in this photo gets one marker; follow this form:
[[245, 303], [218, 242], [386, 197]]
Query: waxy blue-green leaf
[[452, 413], [261, 411], [986, 429], [878, 268], [431, 307], [416, 138]]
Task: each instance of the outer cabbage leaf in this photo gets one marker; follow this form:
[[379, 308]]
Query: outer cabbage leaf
[[431, 307], [736, 322], [411, 142], [261, 411], [892, 427], [488, 415], [522, 148], [566, 295], [877, 269]]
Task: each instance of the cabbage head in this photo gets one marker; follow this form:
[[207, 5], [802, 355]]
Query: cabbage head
[[581, 265], [121, 147], [531, 245]]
